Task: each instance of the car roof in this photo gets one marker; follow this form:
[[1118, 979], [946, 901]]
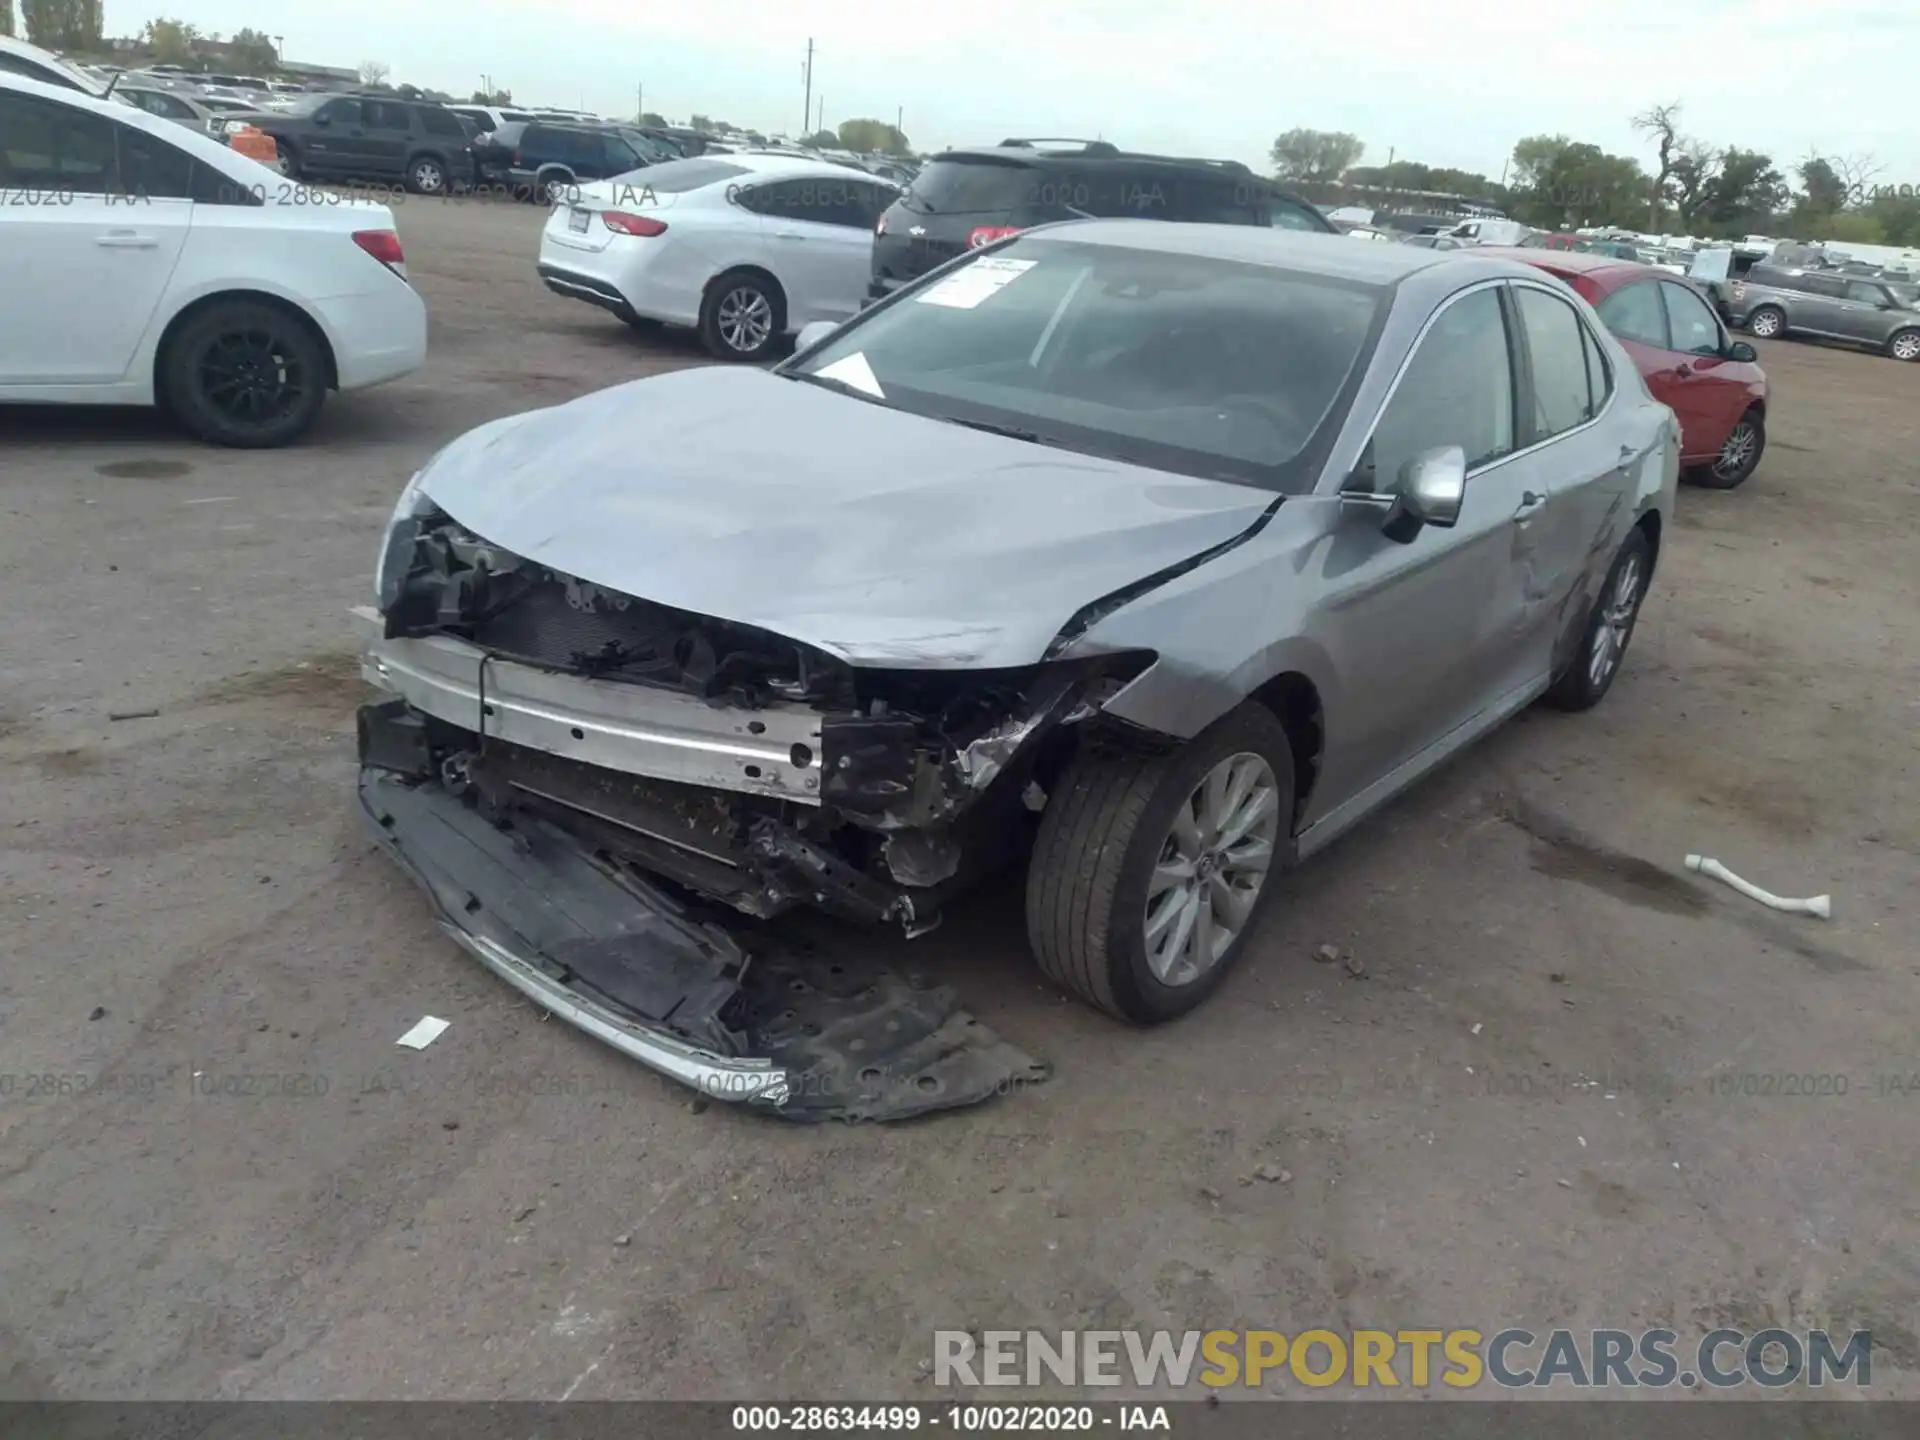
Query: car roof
[[1340, 256], [205, 148], [775, 163], [48, 60], [1574, 262]]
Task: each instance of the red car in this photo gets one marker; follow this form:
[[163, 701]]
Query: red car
[[1714, 384]]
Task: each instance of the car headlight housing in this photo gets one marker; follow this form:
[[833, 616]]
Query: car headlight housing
[[396, 545]]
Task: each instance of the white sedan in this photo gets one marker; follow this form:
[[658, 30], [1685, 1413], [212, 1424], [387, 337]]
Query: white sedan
[[146, 264], [745, 247]]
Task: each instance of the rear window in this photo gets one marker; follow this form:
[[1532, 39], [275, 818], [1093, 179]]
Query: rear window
[[959, 187], [676, 177]]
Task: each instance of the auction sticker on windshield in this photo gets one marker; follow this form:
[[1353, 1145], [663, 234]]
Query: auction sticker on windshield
[[967, 287]]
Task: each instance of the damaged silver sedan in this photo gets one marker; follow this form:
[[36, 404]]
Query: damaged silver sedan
[[1148, 557]]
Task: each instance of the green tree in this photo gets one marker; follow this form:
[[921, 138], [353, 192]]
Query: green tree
[[822, 140], [1825, 191], [653, 120], [697, 121], [1315, 157], [871, 137], [171, 42], [1899, 218], [1746, 192], [254, 52], [1858, 226], [6, 18], [1561, 183], [62, 24]]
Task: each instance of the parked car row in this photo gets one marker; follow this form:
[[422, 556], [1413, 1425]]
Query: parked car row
[[751, 246], [1860, 310]]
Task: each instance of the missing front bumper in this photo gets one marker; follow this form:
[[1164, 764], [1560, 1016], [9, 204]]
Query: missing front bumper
[[736, 1015]]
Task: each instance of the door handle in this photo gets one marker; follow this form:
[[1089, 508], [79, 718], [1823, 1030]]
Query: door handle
[[1530, 505], [126, 240], [788, 235]]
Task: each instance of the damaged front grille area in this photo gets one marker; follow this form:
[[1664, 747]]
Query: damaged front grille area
[[461, 585]]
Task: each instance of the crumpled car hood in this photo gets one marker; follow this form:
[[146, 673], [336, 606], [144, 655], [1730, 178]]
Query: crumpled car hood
[[874, 535]]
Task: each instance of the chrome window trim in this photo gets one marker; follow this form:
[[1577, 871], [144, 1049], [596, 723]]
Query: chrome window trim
[[1420, 338]]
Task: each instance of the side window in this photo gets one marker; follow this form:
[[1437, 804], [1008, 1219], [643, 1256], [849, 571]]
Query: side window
[[842, 202], [385, 115], [340, 112], [1212, 202], [153, 169], [773, 200], [1825, 286], [440, 122], [1633, 312], [1456, 390], [1561, 397], [45, 145], [1285, 215], [1599, 373], [1695, 330], [619, 156], [1864, 293]]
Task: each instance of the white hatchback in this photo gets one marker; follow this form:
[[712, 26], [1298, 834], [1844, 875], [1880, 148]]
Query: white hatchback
[[745, 248], [147, 264]]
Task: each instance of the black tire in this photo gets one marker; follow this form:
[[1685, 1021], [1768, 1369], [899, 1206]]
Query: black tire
[[748, 305], [1101, 837], [1904, 345], [1769, 322], [1723, 474], [287, 158], [1578, 687], [642, 324], [428, 175], [553, 188], [279, 358]]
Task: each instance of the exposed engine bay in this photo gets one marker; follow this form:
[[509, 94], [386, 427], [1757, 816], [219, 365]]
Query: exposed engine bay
[[541, 733]]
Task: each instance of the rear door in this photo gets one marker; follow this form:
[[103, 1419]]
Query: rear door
[[387, 137], [86, 269], [336, 141], [819, 232], [1816, 303]]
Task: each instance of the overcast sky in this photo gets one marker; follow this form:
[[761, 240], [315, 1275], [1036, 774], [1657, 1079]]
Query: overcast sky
[[1449, 84]]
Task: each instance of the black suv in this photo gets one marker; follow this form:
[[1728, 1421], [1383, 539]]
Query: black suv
[[541, 160], [370, 137], [966, 198]]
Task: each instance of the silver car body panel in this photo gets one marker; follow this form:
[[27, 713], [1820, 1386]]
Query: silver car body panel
[[921, 544], [634, 729]]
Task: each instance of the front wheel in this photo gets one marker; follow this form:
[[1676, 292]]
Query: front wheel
[[1739, 457], [1590, 674], [1904, 345], [742, 316], [244, 374], [1149, 871]]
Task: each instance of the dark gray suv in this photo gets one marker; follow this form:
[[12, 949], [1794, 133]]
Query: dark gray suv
[[1861, 311]]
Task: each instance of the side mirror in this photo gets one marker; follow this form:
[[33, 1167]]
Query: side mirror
[[813, 333], [1741, 351], [1433, 484], [323, 119]]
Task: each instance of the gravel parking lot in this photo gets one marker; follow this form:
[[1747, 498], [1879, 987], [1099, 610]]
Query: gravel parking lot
[[1552, 1079]]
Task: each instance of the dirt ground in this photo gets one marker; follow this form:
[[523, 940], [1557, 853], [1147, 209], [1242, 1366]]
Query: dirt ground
[[1511, 1107]]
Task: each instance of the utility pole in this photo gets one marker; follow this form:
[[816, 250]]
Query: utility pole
[[806, 108], [639, 101], [821, 122]]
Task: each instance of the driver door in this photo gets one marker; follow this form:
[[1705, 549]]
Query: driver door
[[1427, 633]]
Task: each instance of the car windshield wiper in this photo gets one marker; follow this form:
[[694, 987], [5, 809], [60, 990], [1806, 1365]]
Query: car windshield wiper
[[1012, 432]]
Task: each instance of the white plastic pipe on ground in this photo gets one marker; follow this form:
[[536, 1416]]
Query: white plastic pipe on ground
[[1821, 905]]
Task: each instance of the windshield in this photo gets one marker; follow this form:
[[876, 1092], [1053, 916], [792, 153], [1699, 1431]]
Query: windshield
[[307, 104], [1181, 362]]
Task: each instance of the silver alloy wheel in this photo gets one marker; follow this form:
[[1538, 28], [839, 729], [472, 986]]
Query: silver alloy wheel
[[1907, 346], [1766, 324], [1737, 453], [745, 319], [1616, 622], [1211, 868], [283, 162], [557, 192], [429, 177]]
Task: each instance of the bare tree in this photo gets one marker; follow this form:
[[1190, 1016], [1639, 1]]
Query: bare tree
[[372, 72], [1662, 123], [1855, 173]]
